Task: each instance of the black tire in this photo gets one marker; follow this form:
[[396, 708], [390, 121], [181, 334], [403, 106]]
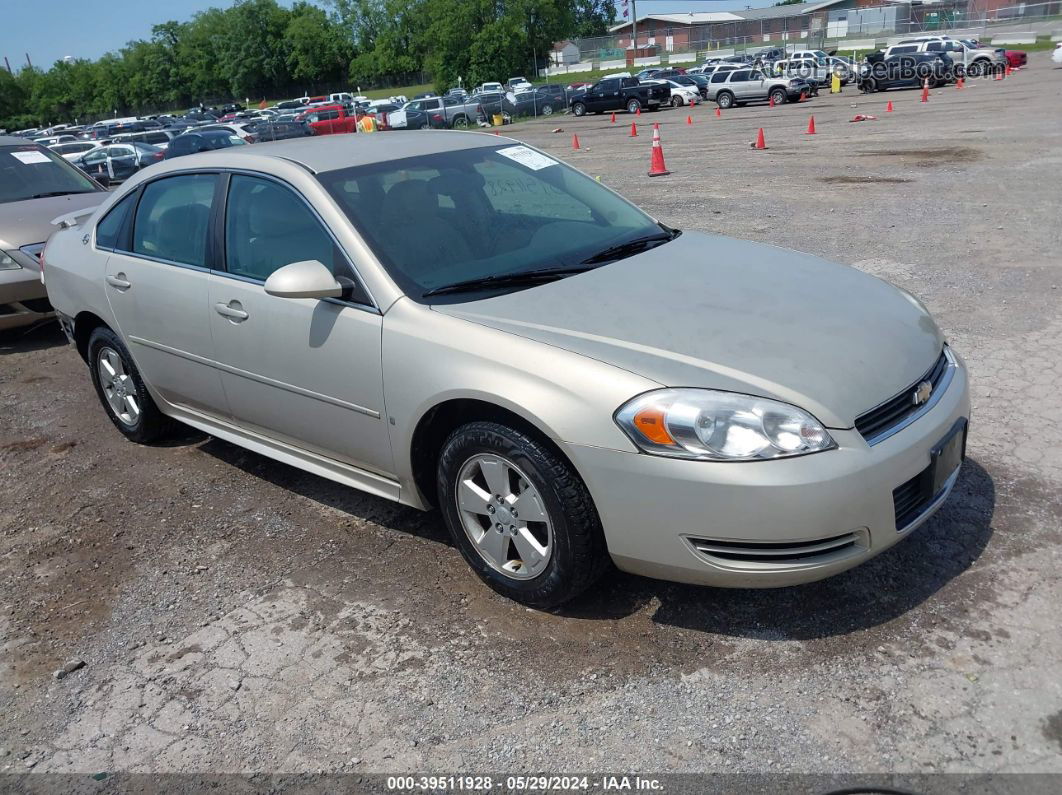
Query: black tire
[[676, 101], [578, 108], [633, 105], [152, 424], [976, 69], [460, 122], [725, 100], [547, 110], [780, 96], [579, 555]]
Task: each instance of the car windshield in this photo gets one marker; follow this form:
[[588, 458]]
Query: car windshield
[[29, 172], [491, 212]]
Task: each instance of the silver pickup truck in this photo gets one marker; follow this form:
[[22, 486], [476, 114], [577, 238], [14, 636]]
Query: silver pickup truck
[[435, 112]]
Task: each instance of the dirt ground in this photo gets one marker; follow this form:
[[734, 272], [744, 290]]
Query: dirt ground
[[235, 614]]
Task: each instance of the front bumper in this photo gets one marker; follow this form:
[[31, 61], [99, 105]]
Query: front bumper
[[767, 523], [23, 299]]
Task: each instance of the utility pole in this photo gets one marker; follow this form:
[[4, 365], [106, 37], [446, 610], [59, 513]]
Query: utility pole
[[634, 28]]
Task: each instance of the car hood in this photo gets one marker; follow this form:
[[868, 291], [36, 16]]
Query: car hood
[[719, 313], [28, 222]]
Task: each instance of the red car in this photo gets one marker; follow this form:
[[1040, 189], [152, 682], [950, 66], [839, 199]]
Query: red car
[[329, 119], [1016, 58]]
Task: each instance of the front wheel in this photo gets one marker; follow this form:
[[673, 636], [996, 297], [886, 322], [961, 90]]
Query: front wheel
[[975, 69], [579, 109], [121, 390], [520, 514]]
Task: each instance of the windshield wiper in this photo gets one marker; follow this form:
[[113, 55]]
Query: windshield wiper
[[57, 193], [507, 280], [636, 246]]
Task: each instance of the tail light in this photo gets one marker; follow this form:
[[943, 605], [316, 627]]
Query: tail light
[[158, 155], [250, 139]]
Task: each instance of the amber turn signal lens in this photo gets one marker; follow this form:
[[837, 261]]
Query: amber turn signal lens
[[650, 421]]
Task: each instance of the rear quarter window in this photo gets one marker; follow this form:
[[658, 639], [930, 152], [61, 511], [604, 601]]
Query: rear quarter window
[[109, 229]]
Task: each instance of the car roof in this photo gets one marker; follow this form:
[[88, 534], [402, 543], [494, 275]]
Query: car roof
[[16, 140], [330, 152]]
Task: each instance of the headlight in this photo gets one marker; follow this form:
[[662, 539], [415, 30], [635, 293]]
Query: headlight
[[708, 425], [7, 262]]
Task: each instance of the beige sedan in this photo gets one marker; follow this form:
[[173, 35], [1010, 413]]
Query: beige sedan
[[459, 320]]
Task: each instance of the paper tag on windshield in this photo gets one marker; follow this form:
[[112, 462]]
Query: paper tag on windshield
[[31, 157], [527, 157]]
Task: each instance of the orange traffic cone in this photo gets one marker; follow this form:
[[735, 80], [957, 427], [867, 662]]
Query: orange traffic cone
[[634, 130], [770, 102], [656, 125], [811, 126], [638, 111], [925, 90], [888, 108], [760, 142], [718, 112], [656, 163], [802, 96], [575, 141], [1009, 70], [999, 75], [613, 119], [689, 120], [960, 83]]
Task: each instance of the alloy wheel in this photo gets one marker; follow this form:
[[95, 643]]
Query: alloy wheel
[[118, 386], [504, 516]]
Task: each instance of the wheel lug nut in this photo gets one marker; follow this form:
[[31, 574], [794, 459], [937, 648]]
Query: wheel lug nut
[[515, 514], [490, 509]]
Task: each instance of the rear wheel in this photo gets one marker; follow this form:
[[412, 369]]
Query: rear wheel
[[676, 101], [579, 109], [461, 122], [724, 99], [121, 390], [633, 106], [547, 110], [521, 516]]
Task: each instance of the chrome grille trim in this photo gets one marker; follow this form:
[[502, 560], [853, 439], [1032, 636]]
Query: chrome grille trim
[[939, 376]]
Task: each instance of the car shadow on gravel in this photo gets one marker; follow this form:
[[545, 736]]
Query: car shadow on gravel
[[356, 504], [46, 334], [881, 590]]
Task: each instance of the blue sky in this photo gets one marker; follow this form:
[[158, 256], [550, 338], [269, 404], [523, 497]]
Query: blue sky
[[84, 30]]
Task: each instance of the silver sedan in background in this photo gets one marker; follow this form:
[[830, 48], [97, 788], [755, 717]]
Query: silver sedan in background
[[462, 321]]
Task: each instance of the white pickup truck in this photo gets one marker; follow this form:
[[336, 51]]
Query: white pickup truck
[[975, 61]]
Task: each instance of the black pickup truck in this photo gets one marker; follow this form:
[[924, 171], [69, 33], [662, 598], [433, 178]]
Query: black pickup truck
[[620, 93]]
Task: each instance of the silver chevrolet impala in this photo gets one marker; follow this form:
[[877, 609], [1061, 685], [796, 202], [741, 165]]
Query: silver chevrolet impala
[[459, 320]]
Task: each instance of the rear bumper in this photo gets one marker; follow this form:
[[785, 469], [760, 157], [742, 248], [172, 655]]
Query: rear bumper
[[767, 523]]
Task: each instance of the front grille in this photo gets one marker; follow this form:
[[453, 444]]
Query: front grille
[[911, 499], [40, 305], [876, 423], [753, 554]]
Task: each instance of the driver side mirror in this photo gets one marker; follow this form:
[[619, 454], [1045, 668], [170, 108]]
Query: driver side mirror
[[306, 279]]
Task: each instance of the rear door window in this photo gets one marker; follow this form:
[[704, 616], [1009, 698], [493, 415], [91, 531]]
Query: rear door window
[[173, 218], [108, 230]]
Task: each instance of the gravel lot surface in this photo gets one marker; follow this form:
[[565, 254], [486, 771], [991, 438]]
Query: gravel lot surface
[[235, 614]]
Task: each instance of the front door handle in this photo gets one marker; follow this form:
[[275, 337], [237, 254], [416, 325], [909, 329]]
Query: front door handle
[[118, 281], [232, 310]]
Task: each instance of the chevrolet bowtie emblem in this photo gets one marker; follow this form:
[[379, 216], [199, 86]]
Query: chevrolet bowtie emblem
[[922, 393]]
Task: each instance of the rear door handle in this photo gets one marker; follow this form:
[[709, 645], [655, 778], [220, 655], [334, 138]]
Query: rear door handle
[[118, 281], [231, 310]]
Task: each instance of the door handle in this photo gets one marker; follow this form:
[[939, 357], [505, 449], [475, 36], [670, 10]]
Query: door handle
[[231, 310], [118, 281]]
